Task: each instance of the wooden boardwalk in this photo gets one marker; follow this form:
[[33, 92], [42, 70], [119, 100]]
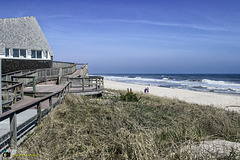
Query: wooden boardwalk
[[44, 88], [42, 97], [27, 100], [77, 73]]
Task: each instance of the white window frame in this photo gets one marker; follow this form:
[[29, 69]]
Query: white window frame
[[19, 53], [35, 53], [9, 53], [46, 54]]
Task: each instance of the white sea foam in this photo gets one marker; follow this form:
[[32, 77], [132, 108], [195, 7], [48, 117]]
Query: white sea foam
[[208, 81], [204, 84]]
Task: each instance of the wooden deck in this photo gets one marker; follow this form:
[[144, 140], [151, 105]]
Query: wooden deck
[[27, 100], [42, 97], [77, 73], [44, 88], [48, 87]]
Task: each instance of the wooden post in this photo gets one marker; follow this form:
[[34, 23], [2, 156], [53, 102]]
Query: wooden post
[[15, 95], [96, 83], [34, 85], [39, 113], [59, 95], [83, 84], [60, 75], [50, 103], [63, 93], [7, 95], [22, 94], [68, 86], [13, 130], [102, 83]]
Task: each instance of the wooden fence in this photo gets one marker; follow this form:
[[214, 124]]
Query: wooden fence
[[49, 73], [86, 83], [12, 137], [11, 91], [13, 84]]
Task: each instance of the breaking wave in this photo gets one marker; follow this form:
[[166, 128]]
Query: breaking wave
[[196, 83]]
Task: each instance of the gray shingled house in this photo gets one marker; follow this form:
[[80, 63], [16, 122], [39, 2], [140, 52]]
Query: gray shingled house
[[23, 45]]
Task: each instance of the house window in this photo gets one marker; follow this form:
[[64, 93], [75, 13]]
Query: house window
[[23, 53], [15, 52], [19, 53], [36, 54], [39, 54], [33, 55], [46, 54], [7, 51]]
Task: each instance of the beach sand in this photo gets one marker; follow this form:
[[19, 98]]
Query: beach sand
[[225, 101]]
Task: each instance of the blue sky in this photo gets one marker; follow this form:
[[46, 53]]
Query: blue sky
[[136, 36]]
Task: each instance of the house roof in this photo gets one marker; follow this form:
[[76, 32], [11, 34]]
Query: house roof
[[22, 33]]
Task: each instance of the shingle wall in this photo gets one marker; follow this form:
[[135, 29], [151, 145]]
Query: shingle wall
[[10, 65]]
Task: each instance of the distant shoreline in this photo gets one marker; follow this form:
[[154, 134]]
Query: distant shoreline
[[224, 101]]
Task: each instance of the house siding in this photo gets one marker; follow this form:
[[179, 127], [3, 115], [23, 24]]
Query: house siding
[[11, 65]]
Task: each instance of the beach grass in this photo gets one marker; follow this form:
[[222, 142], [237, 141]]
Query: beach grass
[[111, 128]]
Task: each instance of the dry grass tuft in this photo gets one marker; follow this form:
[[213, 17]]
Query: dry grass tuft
[[108, 128]]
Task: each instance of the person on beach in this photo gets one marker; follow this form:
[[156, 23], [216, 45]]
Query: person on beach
[[147, 90]]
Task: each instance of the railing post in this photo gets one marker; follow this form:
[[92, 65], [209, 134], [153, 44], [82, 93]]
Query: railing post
[[7, 95], [60, 75], [15, 95], [102, 83], [22, 94], [13, 130], [68, 86], [59, 95], [39, 113], [83, 88], [50, 103], [34, 85], [96, 83]]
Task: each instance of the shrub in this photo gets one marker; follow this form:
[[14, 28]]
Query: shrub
[[129, 96]]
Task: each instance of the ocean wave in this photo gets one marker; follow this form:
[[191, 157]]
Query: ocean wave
[[190, 84], [208, 81], [194, 80]]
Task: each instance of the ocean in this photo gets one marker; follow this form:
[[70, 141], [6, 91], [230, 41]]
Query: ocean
[[219, 83]]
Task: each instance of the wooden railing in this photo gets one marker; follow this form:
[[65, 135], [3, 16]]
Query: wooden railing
[[60, 64], [10, 92], [84, 69], [13, 136], [31, 78], [20, 79], [91, 82], [46, 73]]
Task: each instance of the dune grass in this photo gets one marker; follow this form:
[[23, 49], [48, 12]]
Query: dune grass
[[109, 128]]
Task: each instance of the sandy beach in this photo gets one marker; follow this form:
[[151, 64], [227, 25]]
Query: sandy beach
[[225, 101]]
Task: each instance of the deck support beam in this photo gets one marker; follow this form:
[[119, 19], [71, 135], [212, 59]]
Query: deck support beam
[[83, 84]]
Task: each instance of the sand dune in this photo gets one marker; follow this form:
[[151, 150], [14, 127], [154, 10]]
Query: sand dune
[[225, 101]]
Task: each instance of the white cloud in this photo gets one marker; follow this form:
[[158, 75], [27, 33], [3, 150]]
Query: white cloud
[[146, 22]]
